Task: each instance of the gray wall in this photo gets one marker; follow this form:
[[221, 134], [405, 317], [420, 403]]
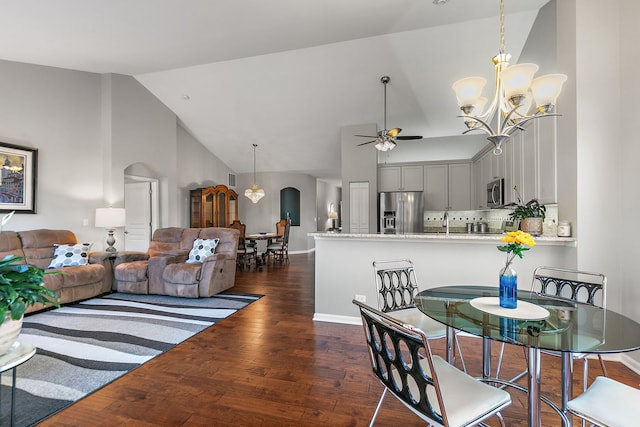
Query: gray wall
[[88, 129], [327, 193], [264, 215], [359, 164]]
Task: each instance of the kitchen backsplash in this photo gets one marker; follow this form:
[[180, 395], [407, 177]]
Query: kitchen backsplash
[[494, 217]]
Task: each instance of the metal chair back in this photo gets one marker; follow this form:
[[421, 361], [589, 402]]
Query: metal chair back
[[580, 286], [396, 284]]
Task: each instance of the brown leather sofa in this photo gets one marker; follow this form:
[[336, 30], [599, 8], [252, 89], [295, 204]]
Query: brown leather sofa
[[76, 282], [162, 269]]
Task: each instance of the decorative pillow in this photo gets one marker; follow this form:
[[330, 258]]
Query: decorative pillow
[[202, 248], [70, 255]]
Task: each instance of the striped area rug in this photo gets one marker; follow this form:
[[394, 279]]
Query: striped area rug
[[82, 347]]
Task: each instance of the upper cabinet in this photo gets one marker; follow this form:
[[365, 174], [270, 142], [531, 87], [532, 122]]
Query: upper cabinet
[[400, 178], [213, 207], [447, 186], [528, 161]]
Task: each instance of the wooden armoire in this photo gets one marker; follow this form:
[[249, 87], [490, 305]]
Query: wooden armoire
[[213, 207]]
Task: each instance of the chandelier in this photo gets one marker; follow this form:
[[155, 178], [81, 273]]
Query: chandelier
[[254, 193], [516, 90]]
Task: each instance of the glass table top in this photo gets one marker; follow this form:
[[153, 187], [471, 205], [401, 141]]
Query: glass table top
[[570, 326]]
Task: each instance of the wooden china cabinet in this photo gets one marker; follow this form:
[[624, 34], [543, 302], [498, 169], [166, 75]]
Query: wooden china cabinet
[[213, 206]]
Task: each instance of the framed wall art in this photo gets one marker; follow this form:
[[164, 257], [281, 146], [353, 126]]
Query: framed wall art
[[18, 171]]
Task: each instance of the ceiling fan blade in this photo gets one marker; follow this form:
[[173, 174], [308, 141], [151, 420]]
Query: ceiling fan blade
[[409, 137], [367, 136], [394, 132], [365, 143]]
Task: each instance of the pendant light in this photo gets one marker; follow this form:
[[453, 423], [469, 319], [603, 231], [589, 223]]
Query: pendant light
[[254, 193], [515, 93]]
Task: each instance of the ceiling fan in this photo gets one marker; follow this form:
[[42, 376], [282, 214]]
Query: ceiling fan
[[386, 138]]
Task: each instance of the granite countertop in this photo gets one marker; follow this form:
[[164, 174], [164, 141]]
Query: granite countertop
[[492, 238]]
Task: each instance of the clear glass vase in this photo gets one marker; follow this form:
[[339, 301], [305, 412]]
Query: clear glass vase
[[508, 287]]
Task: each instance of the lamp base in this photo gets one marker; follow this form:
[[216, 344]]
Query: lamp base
[[110, 241]]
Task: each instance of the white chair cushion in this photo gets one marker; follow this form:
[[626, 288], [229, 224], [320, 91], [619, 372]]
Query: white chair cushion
[[608, 403], [413, 316], [467, 400]]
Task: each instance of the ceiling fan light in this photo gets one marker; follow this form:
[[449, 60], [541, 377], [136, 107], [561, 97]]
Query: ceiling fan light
[[469, 90], [546, 89], [516, 80], [385, 144]]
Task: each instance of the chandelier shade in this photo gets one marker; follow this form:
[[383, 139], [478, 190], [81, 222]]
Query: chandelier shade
[[516, 91], [254, 193]]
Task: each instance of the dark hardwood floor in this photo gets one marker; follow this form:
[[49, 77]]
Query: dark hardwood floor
[[271, 365]]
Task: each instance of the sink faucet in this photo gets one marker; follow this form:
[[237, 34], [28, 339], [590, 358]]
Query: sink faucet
[[445, 221]]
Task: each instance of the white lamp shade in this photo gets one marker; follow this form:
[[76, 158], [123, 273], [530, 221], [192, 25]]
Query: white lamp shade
[[110, 217], [547, 88], [516, 79], [478, 107], [385, 144], [333, 215], [468, 90]]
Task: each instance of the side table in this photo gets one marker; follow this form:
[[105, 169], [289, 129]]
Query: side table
[[16, 356]]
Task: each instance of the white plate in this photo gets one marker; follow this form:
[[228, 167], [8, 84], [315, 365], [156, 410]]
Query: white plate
[[524, 310]]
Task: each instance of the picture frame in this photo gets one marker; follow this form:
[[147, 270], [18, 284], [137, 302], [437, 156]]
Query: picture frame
[[18, 178]]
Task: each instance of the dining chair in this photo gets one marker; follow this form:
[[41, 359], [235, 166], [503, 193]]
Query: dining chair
[[396, 288], [436, 391], [575, 285], [246, 254], [279, 248], [607, 403]]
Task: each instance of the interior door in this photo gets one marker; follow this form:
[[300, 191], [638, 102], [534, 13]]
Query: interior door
[[137, 202]]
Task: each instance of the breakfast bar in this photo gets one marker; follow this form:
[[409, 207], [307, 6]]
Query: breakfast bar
[[344, 271]]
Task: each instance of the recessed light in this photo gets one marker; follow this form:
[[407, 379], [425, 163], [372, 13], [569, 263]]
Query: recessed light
[[439, 2], [186, 97]]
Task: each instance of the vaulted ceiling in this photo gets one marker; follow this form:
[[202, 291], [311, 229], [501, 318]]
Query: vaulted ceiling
[[283, 74]]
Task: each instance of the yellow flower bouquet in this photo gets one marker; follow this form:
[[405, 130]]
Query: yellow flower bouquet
[[516, 243]]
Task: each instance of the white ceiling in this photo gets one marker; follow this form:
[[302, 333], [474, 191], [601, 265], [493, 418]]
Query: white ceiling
[[283, 74]]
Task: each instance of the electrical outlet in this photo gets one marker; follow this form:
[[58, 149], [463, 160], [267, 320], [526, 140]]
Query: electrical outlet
[[360, 298]]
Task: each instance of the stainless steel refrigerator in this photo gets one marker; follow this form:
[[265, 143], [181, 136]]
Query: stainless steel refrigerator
[[401, 212]]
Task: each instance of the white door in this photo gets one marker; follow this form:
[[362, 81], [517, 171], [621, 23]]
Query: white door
[[137, 202], [359, 207]]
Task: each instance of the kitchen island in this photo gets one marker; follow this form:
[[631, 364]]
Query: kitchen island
[[344, 264]]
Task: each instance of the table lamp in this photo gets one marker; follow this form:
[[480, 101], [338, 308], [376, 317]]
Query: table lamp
[[333, 216], [110, 219]]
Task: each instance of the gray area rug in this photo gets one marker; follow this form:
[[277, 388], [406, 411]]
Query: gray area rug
[[84, 346]]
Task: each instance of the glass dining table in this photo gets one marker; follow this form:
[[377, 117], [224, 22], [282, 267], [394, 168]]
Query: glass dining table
[[540, 322]]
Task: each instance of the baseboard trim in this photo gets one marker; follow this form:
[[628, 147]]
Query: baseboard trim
[[630, 363], [335, 318]]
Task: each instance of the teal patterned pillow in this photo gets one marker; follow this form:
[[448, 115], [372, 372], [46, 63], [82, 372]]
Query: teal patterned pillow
[[202, 248], [70, 255]]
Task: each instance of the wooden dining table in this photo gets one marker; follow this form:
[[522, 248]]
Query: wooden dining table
[[565, 326], [253, 239]]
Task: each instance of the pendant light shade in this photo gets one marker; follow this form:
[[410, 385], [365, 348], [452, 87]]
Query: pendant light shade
[[254, 193]]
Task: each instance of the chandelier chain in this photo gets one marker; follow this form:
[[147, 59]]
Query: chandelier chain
[[502, 26]]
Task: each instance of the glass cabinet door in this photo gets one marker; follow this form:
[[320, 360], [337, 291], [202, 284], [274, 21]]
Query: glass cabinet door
[[221, 214], [208, 210], [233, 209]]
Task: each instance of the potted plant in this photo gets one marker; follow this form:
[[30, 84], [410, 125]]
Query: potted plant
[[530, 214], [21, 286]]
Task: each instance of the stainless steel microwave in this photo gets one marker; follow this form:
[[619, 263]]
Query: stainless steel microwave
[[495, 193]]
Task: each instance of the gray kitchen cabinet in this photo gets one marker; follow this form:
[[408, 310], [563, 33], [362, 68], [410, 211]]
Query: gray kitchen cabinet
[[400, 178], [460, 186], [528, 188], [447, 186], [436, 187], [547, 160]]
